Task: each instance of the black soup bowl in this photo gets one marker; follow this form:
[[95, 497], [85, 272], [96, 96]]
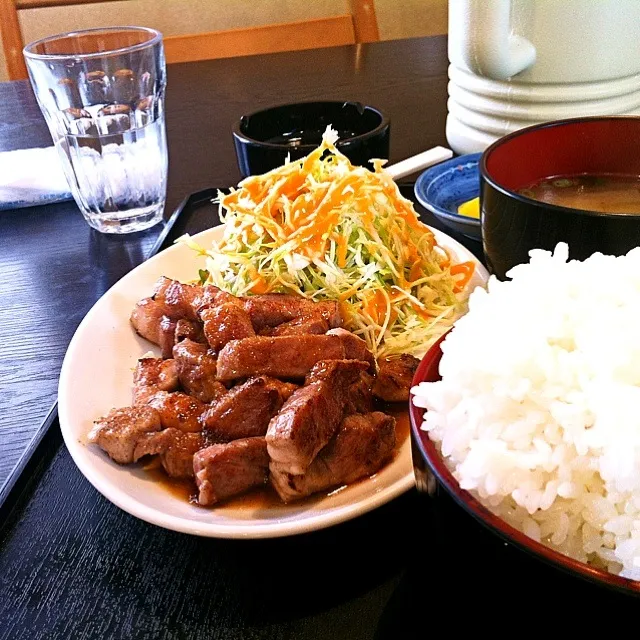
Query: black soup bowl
[[264, 139], [513, 224]]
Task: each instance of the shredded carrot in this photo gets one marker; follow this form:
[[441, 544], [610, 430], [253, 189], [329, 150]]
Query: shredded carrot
[[423, 313], [376, 306], [416, 271], [341, 250], [259, 284], [464, 268]]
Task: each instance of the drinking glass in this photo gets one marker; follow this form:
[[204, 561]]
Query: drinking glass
[[102, 94]]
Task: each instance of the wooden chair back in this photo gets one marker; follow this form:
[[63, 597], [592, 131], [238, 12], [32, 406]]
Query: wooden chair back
[[11, 33], [359, 25]]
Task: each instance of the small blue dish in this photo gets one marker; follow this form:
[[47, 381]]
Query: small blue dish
[[444, 187]]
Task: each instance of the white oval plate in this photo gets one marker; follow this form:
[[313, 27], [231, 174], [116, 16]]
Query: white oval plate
[[97, 375]]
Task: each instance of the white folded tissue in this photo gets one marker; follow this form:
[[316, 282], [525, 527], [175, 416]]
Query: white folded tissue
[[31, 177]]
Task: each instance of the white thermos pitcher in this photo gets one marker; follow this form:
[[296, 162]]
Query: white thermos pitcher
[[514, 63]]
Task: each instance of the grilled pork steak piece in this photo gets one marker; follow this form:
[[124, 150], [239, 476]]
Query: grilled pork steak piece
[[311, 416], [305, 324], [246, 409], [355, 348], [152, 375], [224, 323], [361, 446], [196, 369], [285, 389], [188, 330], [124, 433], [154, 382], [146, 318], [178, 300], [175, 449], [395, 374], [131, 433], [273, 309], [360, 398], [177, 311], [178, 410], [177, 454], [288, 356], [225, 470], [150, 321], [167, 335]]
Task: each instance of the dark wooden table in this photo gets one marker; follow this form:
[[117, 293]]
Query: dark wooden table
[[49, 261], [72, 565]]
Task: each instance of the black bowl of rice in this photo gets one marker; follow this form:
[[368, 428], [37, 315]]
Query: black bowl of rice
[[526, 413]]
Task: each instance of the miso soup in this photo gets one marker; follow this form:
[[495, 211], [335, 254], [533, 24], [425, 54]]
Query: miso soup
[[606, 193]]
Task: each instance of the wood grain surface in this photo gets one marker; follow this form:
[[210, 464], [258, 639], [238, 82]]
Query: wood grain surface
[[53, 264], [146, 582], [75, 567]]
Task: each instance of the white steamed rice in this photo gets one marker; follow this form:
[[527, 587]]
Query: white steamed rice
[[538, 410]]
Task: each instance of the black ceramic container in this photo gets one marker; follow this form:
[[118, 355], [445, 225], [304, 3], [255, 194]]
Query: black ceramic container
[[513, 224], [265, 138]]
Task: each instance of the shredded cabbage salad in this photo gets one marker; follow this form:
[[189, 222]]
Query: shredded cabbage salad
[[326, 230]]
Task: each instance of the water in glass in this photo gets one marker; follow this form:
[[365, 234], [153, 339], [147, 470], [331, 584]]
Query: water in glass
[[102, 94]]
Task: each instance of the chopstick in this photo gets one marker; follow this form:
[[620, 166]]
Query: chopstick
[[418, 162]]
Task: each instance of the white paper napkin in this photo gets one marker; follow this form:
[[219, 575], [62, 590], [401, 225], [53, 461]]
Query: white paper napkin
[[31, 177]]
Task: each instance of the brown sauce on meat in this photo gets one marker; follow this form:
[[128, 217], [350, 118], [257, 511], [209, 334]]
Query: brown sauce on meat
[[182, 488], [265, 497], [400, 412], [256, 499]]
